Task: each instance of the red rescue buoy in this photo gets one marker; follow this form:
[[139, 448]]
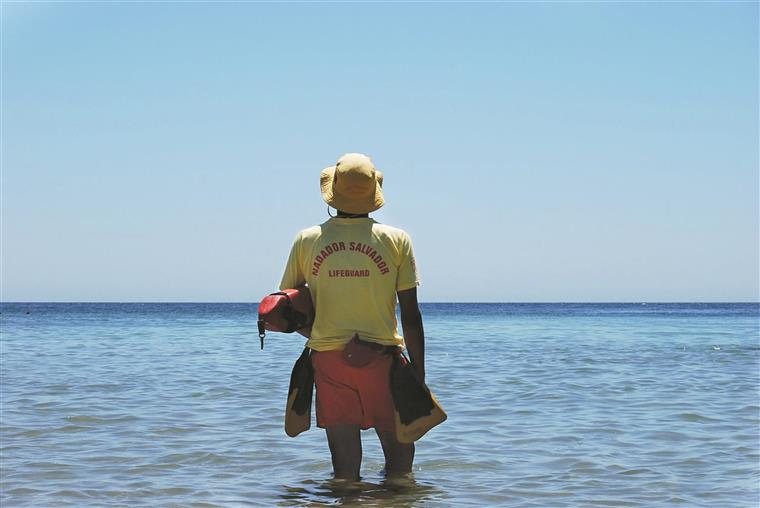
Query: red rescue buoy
[[285, 311]]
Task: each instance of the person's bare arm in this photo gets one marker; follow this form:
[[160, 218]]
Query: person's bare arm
[[414, 333]]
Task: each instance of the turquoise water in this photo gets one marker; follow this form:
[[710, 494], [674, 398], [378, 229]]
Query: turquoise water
[[549, 406]]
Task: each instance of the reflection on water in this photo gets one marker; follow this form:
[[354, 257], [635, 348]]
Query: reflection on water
[[395, 492]]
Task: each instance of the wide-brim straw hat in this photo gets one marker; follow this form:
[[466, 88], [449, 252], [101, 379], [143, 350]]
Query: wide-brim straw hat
[[353, 185]]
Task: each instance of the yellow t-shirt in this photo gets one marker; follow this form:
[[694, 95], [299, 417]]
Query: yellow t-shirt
[[353, 268]]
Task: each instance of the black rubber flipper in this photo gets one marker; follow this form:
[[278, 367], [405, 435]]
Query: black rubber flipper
[[416, 409], [300, 394], [411, 398]]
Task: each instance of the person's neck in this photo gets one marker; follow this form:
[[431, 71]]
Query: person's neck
[[345, 215]]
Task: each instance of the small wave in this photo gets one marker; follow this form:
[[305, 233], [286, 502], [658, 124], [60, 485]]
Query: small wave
[[68, 493], [98, 420], [23, 491], [694, 417], [32, 433], [73, 428], [45, 405], [635, 472], [106, 387], [49, 465], [612, 502], [195, 458], [174, 430], [145, 469], [173, 491], [667, 435]]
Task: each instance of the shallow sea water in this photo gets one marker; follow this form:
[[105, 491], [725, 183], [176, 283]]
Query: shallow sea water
[[550, 405]]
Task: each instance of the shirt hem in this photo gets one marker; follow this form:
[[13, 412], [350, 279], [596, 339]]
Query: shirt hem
[[404, 287]]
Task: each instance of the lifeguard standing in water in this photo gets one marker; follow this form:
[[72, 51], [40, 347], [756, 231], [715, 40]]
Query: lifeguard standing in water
[[356, 269]]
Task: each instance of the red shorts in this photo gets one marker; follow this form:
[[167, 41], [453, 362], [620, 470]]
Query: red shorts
[[353, 396]]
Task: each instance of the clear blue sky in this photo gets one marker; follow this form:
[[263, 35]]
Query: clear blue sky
[[535, 152]]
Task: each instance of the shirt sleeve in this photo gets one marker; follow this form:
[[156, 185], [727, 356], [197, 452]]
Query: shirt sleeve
[[293, 275], [407, 270]]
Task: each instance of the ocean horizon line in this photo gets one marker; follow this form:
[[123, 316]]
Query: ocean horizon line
[[442, 302]]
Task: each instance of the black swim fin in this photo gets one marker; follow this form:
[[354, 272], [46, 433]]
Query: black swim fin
[[416, 409], [300, 392]]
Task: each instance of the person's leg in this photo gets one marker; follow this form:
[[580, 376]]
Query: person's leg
[[346, 450], [398, 456], [339, 412]]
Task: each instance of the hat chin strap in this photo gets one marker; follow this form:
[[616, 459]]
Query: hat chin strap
[[344, 215]]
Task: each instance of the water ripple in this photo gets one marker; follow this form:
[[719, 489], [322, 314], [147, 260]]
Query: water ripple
[[548, 407]]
